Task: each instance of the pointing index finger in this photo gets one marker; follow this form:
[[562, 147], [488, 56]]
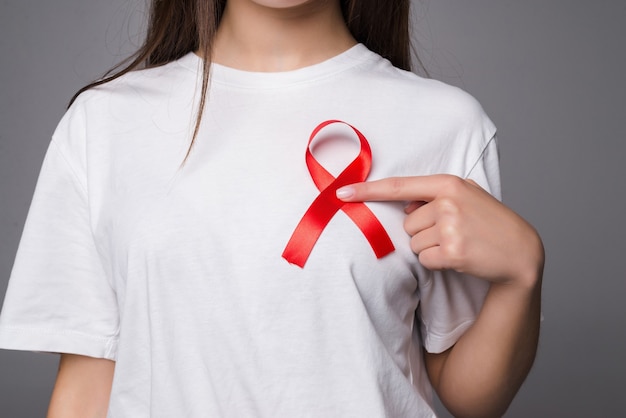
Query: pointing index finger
[[424, 188]]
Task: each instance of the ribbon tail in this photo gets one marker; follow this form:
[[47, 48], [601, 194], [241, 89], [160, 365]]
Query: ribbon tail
[[310, 227], [371, 228]]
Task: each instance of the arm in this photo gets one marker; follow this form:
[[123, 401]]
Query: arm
[[82, 387], [455, 224], [482, 372]]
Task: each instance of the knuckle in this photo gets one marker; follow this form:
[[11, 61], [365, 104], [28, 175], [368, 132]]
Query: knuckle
[[453, 184], [431, 260], [396, 186], [448, 232], [424, 260], [473, 183], [408, 225], [448, 253], [447, 205], [453, 250]]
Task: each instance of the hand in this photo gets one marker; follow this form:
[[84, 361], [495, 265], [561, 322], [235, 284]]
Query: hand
[[455, 224]]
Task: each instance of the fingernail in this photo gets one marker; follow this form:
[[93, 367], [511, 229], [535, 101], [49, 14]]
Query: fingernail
[[345, 192]]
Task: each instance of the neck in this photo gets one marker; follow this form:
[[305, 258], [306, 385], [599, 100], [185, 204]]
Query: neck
[[254, 37]]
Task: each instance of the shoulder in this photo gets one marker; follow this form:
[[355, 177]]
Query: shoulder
[[135, 95], [131, 106], [144, 87], [436, 98], [412, 95]]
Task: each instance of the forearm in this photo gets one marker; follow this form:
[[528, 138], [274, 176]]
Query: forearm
[[484, 370], [82, 388], [454, 224]]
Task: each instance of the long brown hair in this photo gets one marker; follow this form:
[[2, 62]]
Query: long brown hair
[[177, 27]]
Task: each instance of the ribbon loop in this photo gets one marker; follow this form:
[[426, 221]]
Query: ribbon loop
[[326, 205]]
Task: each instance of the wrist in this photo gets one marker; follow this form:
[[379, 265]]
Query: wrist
[[527, 268]]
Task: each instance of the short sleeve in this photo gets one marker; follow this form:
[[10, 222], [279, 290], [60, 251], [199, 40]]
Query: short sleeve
[[59, 298], [450, 301]]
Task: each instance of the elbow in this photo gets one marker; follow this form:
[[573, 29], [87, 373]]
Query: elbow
[[474, 409]]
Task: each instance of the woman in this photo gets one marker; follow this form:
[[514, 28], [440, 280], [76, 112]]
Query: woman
[[162, 284]]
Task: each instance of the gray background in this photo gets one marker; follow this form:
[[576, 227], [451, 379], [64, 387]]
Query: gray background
[[549, 73]]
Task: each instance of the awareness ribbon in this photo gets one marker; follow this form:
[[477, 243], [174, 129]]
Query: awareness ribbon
[[326, 205]]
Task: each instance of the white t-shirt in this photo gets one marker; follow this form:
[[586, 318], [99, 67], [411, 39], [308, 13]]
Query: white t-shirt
[[176, 272]]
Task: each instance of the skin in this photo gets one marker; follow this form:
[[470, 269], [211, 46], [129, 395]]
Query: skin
[[82, 388], [280, 35], [452, 224], [254, 35]]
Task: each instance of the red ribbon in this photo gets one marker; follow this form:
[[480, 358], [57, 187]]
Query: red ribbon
[[327, 204]]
